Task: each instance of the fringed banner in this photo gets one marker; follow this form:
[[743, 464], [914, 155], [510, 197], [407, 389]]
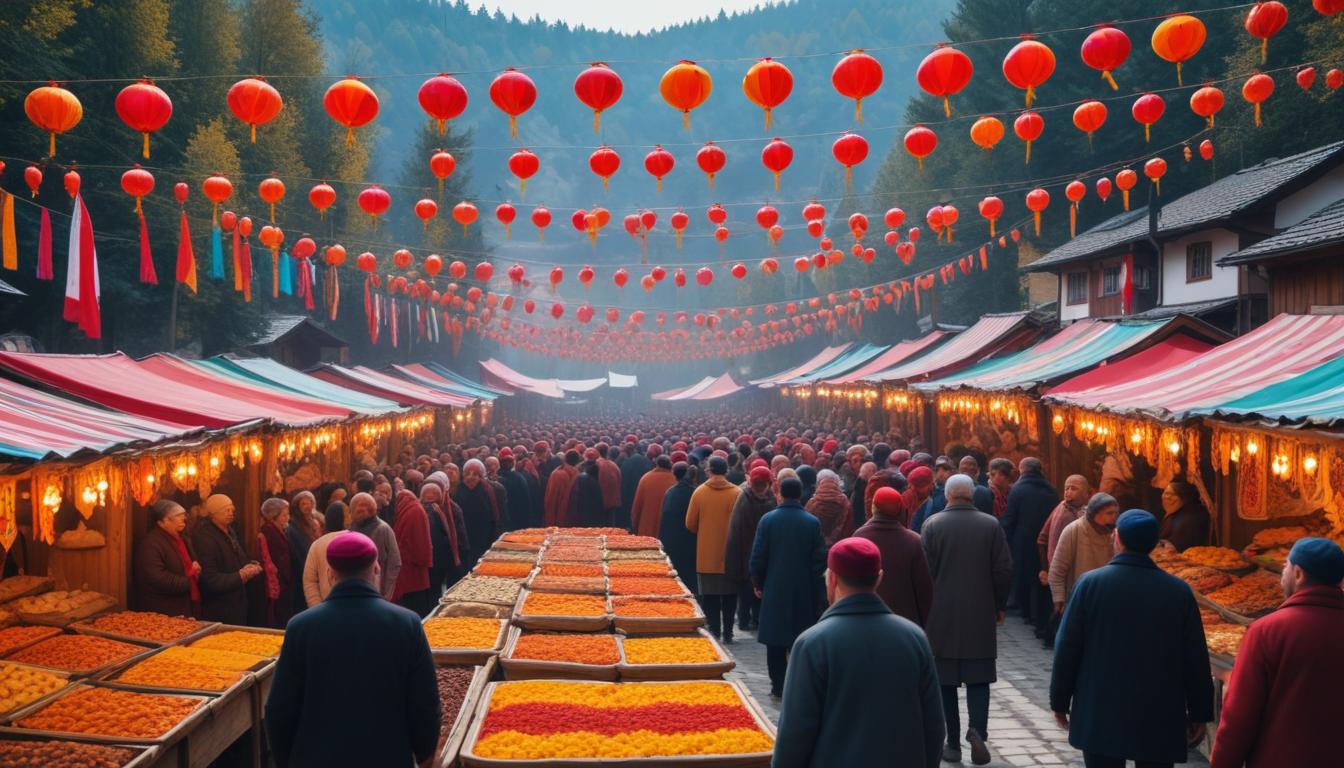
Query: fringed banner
[[216, 253], [45, 268], [186, 257], [10, 239], [147, 273]]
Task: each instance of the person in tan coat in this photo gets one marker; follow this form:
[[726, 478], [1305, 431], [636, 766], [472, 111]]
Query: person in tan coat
[[1085, 545], [647, 507], [708, 517]]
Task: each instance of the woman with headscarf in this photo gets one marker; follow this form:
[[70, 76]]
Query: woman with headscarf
[[678, 542], [756, 499], [829, 505], [165, 570], [807, 475], [304, 528], [480, 510], [417, 555], [445, 535], [273, 543], [918, 491], [1185, 522], [316, 574]]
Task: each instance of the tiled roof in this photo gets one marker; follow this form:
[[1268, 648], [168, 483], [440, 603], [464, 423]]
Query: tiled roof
[[1193, 309], [283, 325], [1219, 201], [1324, 227]]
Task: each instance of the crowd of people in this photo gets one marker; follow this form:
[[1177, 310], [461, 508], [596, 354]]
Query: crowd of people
[[867, 570]]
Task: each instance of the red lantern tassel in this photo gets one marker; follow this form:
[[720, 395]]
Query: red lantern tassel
[[44, 265], [1037, 216], [10, 237], [370, 311], [1073, 220], [147, 274], [306, 280], [333, 292], [275, 272], [984, 259], [237, 265], [247, 271], [1124, 197], [186, 257], [1110, 80]]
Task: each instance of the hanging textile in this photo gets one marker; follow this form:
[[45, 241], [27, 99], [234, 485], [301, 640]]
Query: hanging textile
[[81, 281], [147, 273], [286, 269], [45, 268], [216, 253], [186, 257], [10, 245]]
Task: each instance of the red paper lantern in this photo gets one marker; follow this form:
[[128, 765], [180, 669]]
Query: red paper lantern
[[1028, 127], [1148, 109], [1103, 187], [516, 274], [556, 277], [375, 201], [858, 225], [402, 258], [137, 182], [1037, 201], [425, 210], [647, 282], [557, 310], [54, 110], [604, 162], [775, 233], [776, 156], [32, 176], [1264, 21], [1328, 7], [991, 208], [850, 150], [739, 271], [1028, 65], [1306, 77], [523, 164], [1155, 169], [1126, 180], [721, 234], [704, 276], [987, 132], [816, 228], [443, 98], [1105, 49], [857, 76], [366, 262], [433, 264], [1177, 39], [1334, 79], [1257, 89], [767, 216], [659, 163], [711, 160], [944, 73], [1206, 102], [144, 107], [529, 305], [599, 88], [465, 213], [1075, 191], [685, 86], [620, 277], [894, 217], [334, 255], [920, 143], [801, 264], [217, 189], [541, 219], [505, 213], [679, 221], [586, 275], [254, 102], [513, 93], [679, 278], [1089, 116], [814, 211], [1206, 149], [352, 104], [716, 214], [484, 271], [767, 84], [322, 196], [769, 266]]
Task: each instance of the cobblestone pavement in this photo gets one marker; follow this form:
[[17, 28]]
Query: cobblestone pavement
[[1022, 730]]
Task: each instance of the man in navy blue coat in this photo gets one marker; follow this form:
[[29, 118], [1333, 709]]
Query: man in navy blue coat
[[355, 684], [1131, 675], [860, 661], [788, 558]]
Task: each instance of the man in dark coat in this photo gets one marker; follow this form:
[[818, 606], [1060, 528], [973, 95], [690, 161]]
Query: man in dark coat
[[1030, 503], [972, 574], [754, 502], [906, 587], [788, 558], [517, 496], [355, 683], [586, 505], [678, 542], [857, 661], [225, 566], [633, 467], [1131, 674], [1283, 698]]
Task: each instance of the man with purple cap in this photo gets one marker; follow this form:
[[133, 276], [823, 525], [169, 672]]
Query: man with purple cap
[[1282, 700], [355, 683], [859, 661]]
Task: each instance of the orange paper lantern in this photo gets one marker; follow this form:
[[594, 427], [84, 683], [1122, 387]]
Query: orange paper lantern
[[767, 84], [1177, 39], [255, 102], [54, 110], [987, 132], [685, 86], [1257, 89], [352, 104], [1206, 102], [1089, 116]]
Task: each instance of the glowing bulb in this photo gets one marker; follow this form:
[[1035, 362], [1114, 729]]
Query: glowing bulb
[[102, 486], [150, 479], [1252, 447], [1174, 446], [1309, 464], [1136, 437]]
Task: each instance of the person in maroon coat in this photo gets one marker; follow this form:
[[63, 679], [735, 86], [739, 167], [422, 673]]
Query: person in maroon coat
[[1282, 702], [906, 586], [417, 556], [165, 569]]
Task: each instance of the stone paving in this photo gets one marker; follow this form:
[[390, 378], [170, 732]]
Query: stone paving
[[1022, 730]]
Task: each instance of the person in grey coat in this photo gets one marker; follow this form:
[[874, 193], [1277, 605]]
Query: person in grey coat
[[972, 575], [364, 519], [859, 660], [788, 558]]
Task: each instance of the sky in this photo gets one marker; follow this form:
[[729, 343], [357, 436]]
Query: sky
[[629, 16]]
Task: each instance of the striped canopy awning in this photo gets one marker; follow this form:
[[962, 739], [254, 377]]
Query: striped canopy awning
[[427, 378], [372, 382], [816, 361], [852, 359], [681, 393], [895, 355], [456, 378], [266, 371], [990, 335], [1314, 398], [494, 373], [1285, 347], [36, 425]]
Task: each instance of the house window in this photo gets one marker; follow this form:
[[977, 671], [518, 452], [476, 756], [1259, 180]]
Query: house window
[[1110, 281], [1198, 262], [1077, 288], [1143, 278]]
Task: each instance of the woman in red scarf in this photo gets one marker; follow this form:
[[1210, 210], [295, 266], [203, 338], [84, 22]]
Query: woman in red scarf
[[830, 505], [919, 490], [273, 543], [417, 555], [166, 571]]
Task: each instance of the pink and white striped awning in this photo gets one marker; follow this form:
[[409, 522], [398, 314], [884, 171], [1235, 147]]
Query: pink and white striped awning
[[1284, 347], [991, 334], [821, 358], [495, 373], [896, 355]]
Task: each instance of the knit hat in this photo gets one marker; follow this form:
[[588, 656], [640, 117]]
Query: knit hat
[[216, 503], [889, 502], [505, 453], [351, 552], [855, 559], [1322, 559], [760, 475], [1138, 530]]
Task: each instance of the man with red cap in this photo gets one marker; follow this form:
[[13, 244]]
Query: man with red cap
[[860, 660], [906, 587], [355, 683]]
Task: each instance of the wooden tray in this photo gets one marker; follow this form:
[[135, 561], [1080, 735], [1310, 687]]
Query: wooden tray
[[92, 673], [1226, 613], [84, 628], [655, 625], [560, 623], [43, 584], [94, 608], [751, 760], [452, 746], [144, 755], [449, 597], [528, 669], [599, 588], [15, 649], [709, 671], [246, 679], [170, 736], [58, 673], [684, 591], [470, 657]]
